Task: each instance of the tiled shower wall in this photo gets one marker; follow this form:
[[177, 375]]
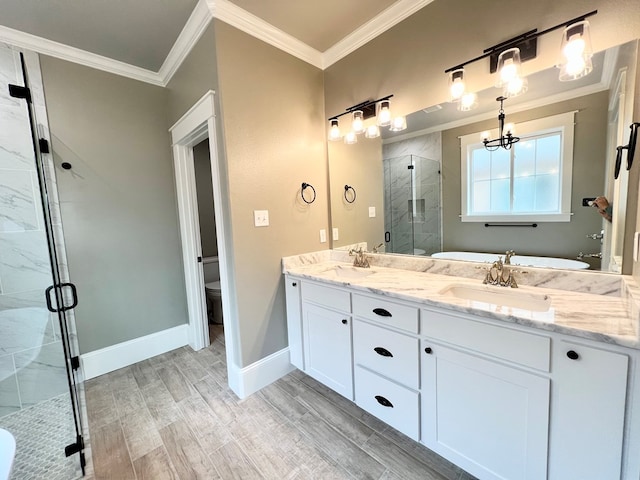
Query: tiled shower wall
[[32, 367], [413, 212]]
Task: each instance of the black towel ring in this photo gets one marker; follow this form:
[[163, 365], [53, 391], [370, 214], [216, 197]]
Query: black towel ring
[[305, 185], [346, 196]]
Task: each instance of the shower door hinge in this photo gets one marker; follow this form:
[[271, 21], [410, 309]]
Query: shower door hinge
[[74, 448], [44, 145], [18, 91], [75, 363], [410, 167]]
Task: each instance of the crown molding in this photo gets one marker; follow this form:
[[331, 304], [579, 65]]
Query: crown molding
[[235, 16], [75, 55], [370, 30], [194, 28]]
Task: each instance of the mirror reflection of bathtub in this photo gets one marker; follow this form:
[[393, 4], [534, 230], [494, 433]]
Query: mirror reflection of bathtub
[[521, 260]]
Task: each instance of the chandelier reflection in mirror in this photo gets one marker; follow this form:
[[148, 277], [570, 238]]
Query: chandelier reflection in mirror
[[360, 113], [506, 137], [506, 61]]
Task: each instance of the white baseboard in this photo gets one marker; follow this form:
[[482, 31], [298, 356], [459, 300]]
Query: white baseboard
[[127, 353], [250, 379]]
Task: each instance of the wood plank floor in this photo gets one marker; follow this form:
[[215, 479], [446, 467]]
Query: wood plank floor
[[173, 417]]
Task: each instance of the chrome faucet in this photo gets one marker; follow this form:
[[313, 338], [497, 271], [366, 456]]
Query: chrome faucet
[[361, 259], [500, 274], [588, 255]]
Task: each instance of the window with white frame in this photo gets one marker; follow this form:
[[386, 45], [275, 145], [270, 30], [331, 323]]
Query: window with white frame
[[531, 182]]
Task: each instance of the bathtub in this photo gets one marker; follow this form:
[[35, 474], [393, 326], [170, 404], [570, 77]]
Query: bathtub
[[523, 260]]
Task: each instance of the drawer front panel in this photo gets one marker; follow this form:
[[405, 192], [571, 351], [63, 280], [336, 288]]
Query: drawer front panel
[[388, 353], [391, 403], [389, 313], [519, 347], [334, 298]]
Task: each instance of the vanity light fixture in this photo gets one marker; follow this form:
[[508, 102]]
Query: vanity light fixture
[[576, 51], [468, 101], [506, 137], [506, 58], [380, 108]]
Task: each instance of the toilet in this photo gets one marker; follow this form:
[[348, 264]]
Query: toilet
[[212, 289]]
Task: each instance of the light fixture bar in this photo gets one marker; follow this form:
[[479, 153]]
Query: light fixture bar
[[523, 38], [364, 106]]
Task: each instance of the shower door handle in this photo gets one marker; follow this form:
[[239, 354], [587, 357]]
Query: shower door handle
[[387, 237], [64, 308]]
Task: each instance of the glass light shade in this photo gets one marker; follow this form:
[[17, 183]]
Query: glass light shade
[[576, 51], [384, 114], [456, 84], [468, 101], [373, 131], [398, 124], [509, 128], [485, 135], [351, 138], [509, 66], [357, 125], [334, 131], [515, 87]]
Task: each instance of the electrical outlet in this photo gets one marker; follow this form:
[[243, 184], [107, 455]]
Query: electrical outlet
[[261, 218], [372, 212], [335, 234], [323, 236]]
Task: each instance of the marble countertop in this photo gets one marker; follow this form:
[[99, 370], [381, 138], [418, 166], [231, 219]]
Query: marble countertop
[[610, 319]]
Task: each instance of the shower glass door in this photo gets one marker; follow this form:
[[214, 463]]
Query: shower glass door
[[38, 391]]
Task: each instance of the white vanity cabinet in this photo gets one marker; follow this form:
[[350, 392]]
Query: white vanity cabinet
[[326, 333], [500, 400], [483, 406]]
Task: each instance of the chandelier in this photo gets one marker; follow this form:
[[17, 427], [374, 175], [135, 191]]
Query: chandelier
[[506, 137]]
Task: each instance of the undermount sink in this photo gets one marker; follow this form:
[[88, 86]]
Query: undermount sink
[[352, 272], [502, 296]]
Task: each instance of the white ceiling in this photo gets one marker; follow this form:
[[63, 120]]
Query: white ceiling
[[142, 33]]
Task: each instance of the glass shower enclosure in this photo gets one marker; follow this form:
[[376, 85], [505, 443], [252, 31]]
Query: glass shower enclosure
[[39, 385], [412, 212]]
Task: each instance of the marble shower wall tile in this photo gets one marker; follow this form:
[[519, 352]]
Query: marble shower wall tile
[[24, 262], [9, 396], [18, 208], [24, 329], [41, 373]]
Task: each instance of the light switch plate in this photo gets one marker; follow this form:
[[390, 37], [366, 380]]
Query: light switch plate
[[372, 212], [323, 235], [335, 234], [261, 218]]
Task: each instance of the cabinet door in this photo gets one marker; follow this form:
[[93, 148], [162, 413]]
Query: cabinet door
[[587, 412], [488, 418], [294, 321], [327, 348]]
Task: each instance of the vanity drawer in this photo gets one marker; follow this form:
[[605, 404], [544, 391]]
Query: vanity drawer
[[390, 402], [388, 353], [389, 313], [501, 342], [334, 298]]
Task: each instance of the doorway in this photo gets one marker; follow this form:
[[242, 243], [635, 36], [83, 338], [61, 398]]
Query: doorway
[[195, 127]]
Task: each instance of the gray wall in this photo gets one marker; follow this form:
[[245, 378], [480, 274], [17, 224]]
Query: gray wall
[[118, 202], [560, 239], [204, 192]]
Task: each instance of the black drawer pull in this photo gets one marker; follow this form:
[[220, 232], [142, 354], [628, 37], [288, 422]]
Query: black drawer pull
[[573, 355], [344, 321], [294, 284], [383, 401], [382, 312], [428, 350], [383, 351]]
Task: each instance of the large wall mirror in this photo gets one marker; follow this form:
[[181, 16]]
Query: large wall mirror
[[405, 189]]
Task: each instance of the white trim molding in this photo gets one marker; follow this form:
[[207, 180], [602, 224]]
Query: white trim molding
[[75, 55], [127, 353], [248, 380]]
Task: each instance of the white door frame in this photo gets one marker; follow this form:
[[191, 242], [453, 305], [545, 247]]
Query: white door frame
[[197, 125]]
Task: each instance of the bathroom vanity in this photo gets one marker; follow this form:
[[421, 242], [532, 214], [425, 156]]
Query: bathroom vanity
[[539, 385]]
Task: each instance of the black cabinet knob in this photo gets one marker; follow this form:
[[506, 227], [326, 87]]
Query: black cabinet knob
[[344, 321], [428, 350], [573, 355], [294, 284]]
